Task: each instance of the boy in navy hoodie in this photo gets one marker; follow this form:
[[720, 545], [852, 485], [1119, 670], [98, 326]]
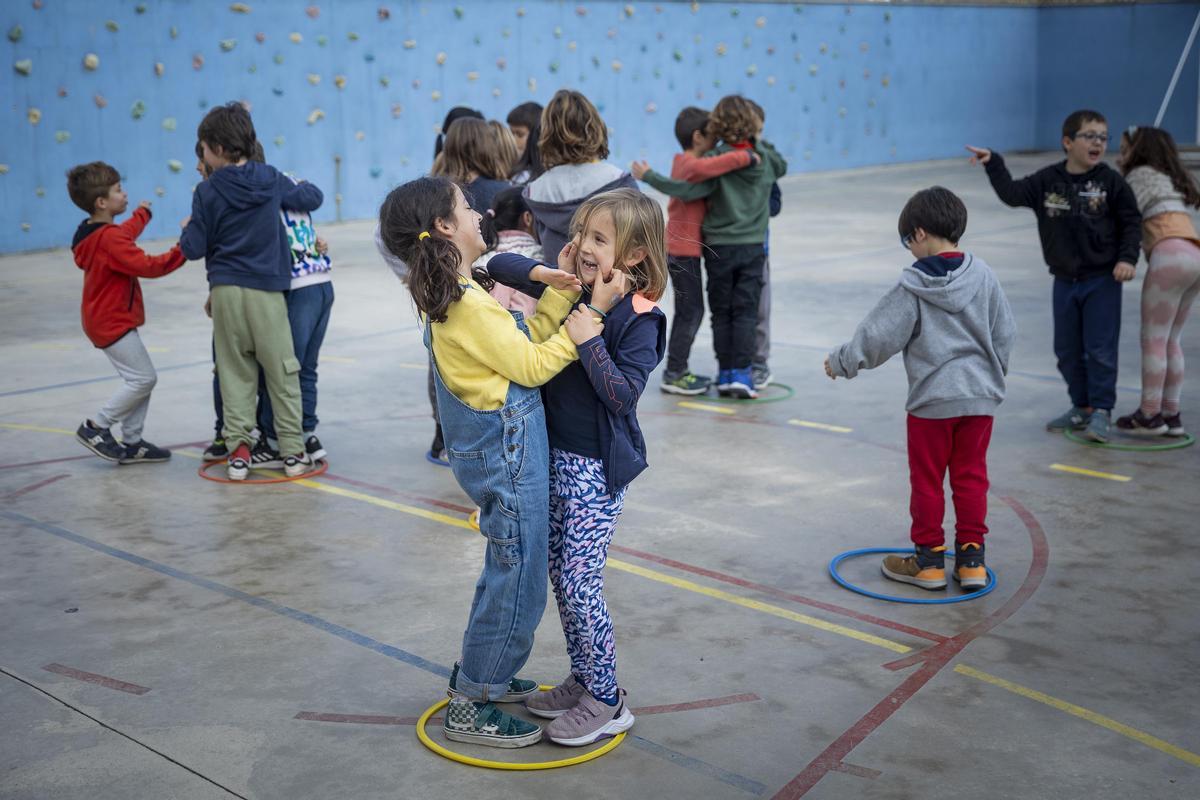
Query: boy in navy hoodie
[[235, 227], [1090, 228]]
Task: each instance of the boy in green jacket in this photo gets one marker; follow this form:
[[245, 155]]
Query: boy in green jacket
[[734, 231]]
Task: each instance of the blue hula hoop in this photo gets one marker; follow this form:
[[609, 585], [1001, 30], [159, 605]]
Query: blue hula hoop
[[833, 565], [432, 459]]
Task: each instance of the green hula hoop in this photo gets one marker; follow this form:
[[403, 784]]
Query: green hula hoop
[[788, 394], [1184, 441]]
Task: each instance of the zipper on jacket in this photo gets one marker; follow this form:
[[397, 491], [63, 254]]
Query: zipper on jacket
[[132, 289]]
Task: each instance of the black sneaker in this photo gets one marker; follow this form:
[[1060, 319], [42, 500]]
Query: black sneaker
[[145, 453], [312, 446], [1139, 424], [1175, 425], [217, 451], [762, 377], [297, 465], [100, 441], [263, 456]]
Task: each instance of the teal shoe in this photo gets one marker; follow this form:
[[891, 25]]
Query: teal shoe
[[1098, 427], [483, 723], [1075, 419], [686, 384]]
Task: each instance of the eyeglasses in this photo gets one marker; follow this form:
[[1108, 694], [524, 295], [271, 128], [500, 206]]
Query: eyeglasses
[[1092, 136], [907, 241]]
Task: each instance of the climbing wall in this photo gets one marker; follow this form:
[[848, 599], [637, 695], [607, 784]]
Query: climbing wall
[[349, 93]]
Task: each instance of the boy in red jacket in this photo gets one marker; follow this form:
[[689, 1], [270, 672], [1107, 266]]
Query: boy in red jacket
[[112, 309]]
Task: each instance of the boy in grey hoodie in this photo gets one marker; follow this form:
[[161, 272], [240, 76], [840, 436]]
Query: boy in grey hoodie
[[951, 319]]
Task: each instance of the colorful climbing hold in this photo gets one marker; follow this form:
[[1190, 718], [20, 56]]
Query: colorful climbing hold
[[24, 66], [174, 32], [761, 22], [25, 226], [277, 91], [572, 46], [501, 63], [228, 44], [580, 11], [616, 65], [887, 81], [160, 191], [812, 70], [322, 40], [278, 140], [722, 48], [651, 107], [416, 83], [278, 58], [384, 81], [40, 191], [34, 115], [198, 62], [169, 124], [100, 100], [260, 37], [137, 110], [15, 33], [315, 116], [159, 68], [376, 172], [3, 169], [313, 12], [369, 57], [62, 91], [91, 62], [397, 110], [112, 25], [553, 67], [629, 10], [472, 76], [459, 12], [409, 44], [359, 136], [384, 14], [520, 11], [752, 70], [295, 38], [532, 84], [435, 95], [352, 36], [253, 68], [441, 59], [770, 80], [175, 165], [62, 136], [239, 8], [339, 81], [314, 78], [496, 91]]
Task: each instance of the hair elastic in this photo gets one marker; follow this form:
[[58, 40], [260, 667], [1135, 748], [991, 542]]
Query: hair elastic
[[422, 236]]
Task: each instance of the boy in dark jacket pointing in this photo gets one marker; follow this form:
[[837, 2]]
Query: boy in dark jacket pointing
[[112, 308]]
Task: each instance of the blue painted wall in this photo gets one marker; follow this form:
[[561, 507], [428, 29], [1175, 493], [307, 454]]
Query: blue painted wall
[[843, 86]]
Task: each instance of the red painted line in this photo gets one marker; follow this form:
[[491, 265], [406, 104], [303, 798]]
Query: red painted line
[[99, 680], [861, 772], [771, 590], [698, 704], [359, 719], [33, 487], [418, 498], [47, 461], [932, 661]]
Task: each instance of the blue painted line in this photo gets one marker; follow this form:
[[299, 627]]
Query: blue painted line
[[36, 389], [362, 640], [696, 765], [284, 611]]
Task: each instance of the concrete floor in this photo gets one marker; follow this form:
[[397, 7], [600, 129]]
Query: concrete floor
[[249, 612]]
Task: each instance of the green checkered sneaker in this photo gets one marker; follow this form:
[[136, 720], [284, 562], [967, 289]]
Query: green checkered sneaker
[[485, 724], [518, 688]]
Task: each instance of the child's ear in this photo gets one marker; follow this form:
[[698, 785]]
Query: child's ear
[[441, 226], [636, 256], [1066, 143], [527, 220]]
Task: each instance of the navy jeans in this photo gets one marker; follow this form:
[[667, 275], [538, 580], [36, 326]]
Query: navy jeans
[[735, 280], [308, 314], [501, 459], [1087, 329], [688, 287]]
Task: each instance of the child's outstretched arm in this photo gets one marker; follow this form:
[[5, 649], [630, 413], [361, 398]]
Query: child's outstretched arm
[[301, 196], [1023, 193], [491, 338], [129, 259], [681, 189], [137, 221], [883, 333], [701, 169]]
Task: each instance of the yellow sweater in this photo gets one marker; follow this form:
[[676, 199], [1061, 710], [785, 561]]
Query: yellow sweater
[[479, 349]]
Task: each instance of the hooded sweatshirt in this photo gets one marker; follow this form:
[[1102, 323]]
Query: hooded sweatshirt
[[1087, 223], [112, 263], [235, 226], [951, 318], [555, 195]]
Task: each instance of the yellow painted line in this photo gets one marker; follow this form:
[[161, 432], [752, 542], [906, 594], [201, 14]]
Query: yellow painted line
[[706, 407], [15, 427], [445, 519], [1078, 711], [406, 365], [51, 346], [756, 605], [1091, 473], [158, 349], [339, 359], [821, 426]]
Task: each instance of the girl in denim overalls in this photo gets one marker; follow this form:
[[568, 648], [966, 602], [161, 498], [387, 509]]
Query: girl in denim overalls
[[596, 445], [495, 432]]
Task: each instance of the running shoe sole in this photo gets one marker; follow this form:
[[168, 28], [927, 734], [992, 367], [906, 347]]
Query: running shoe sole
[[670, 388], [971, 583], [95, 452], [492, 740], [623, 722]]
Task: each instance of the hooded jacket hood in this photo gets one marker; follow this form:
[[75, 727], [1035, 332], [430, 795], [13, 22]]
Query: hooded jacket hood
[[948, 282], [247, 186], [563, 194]]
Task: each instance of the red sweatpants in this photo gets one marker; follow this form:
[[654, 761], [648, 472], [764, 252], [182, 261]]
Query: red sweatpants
[[959, 444]]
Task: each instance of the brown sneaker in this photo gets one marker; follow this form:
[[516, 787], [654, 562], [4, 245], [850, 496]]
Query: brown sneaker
[[554, 703], [926, 568], [969, 570], [590, 720]]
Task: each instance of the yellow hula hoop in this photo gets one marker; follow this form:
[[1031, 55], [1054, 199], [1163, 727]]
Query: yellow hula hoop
[[485, 764]]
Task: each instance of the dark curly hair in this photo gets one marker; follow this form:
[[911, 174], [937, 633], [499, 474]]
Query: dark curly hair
[[433, 261]]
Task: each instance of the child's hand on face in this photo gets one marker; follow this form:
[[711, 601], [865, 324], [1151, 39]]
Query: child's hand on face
[[1124, 271], [608, 290], [568, 255], [980, 155], [639, 169], [556, 278], [582, 326], [829, 371]]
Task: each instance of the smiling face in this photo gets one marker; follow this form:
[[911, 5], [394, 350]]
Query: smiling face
[[597, 246], [1086, 148], [463, 229]]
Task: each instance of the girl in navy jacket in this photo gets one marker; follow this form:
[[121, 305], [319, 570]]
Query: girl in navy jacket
[[618, 251]]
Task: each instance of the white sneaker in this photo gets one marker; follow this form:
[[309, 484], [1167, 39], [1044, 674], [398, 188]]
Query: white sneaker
[[297, 465]]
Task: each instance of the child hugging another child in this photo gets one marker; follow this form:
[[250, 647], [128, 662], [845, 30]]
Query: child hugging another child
[[951, 319], [486, 364], [235, 227], [112, 309], [596, 444], [1165, 192]]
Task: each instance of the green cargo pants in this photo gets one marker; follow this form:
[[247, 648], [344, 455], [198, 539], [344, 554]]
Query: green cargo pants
[[250, 329]]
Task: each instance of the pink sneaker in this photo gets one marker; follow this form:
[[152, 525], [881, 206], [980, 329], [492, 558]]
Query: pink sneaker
[[590, 720], [558, 701]]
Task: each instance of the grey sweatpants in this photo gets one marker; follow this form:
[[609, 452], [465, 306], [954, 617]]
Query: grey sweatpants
[[130, 403], [762, 331]]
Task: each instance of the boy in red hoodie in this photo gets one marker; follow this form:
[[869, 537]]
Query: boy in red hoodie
[[112, 309]]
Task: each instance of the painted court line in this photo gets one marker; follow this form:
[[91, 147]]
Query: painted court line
[[13, 426], [33, 487], [1091, 473], [1078, 711], [706, 407], [820, 426], [35, 389], [99, 680], [857, 771]]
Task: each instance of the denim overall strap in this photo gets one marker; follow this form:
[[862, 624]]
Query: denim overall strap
[[500, 458]]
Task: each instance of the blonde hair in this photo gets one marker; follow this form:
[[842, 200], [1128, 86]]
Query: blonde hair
[[735, 119], [572, 131], [471, 150], [506, 147], [639, 223]]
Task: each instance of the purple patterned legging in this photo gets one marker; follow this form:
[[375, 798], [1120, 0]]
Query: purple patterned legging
[[1171, 285], [582, 517]]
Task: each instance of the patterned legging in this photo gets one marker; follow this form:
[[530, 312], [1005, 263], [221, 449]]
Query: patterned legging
[[1171, 284], [582, 517]]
